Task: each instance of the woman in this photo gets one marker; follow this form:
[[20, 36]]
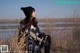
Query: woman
[[29, 24]]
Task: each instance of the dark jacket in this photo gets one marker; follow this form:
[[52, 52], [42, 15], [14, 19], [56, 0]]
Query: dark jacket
[[25, 24]]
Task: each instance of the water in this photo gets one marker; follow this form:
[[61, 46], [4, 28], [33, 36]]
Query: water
[[6, 30], [9, 29]]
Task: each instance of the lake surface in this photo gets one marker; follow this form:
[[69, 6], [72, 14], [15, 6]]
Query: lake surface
[[9, 29]]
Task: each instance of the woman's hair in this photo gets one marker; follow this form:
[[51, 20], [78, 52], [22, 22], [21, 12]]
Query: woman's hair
[[28, 11]]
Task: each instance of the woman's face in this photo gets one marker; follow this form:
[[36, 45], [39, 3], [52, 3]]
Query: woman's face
[[33, 14]]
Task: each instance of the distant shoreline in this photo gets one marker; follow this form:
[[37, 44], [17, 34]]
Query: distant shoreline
[[42, 20]]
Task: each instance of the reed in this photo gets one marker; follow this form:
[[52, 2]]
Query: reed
[[65, 40]]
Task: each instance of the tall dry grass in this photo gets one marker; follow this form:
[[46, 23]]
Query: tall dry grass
[[62, 41]]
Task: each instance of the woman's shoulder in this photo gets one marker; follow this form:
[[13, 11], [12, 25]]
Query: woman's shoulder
[[23, 21]]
